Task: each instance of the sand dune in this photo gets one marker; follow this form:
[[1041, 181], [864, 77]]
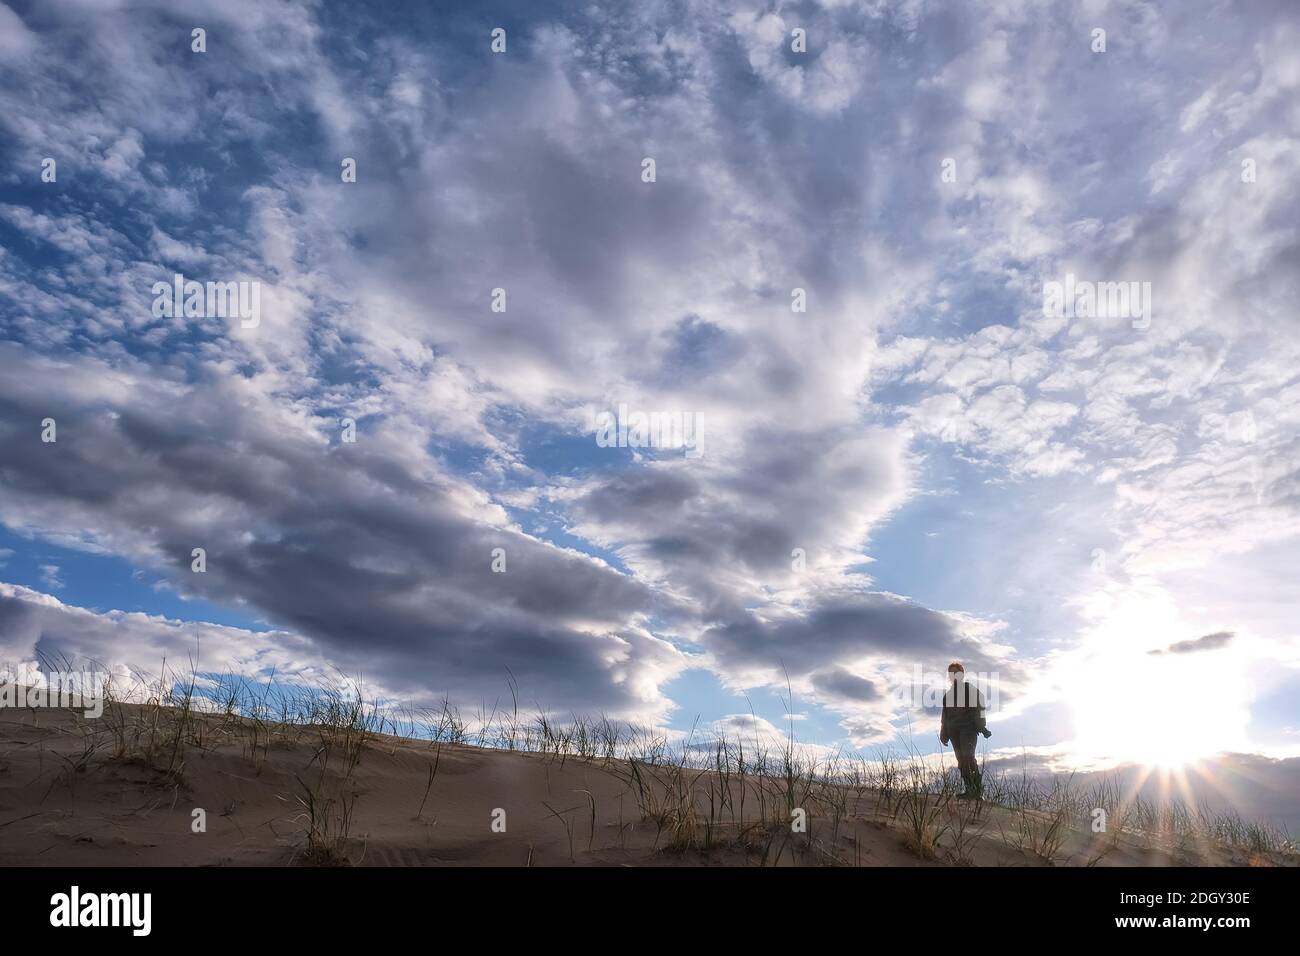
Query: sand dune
[[92, 793]]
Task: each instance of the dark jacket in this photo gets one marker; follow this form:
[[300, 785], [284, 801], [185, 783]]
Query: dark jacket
[[963, 709]]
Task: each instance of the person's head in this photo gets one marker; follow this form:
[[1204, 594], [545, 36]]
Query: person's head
[[956, 673]]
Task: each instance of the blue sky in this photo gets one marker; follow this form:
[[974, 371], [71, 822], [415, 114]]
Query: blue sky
[[924, 464]]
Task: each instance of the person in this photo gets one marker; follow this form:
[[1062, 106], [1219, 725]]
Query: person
[[962, 720]]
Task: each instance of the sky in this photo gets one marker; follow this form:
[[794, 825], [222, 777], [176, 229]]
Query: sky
[[827, 239]]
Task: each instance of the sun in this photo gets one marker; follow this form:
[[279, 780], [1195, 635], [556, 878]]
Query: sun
[[1133, 718], [1133, 702]]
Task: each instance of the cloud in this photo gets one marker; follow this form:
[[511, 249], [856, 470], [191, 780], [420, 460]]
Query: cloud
[[369, 549], [36, 625], [16, 41], [1210, 642], [839, 682], [721, 529], [50, 575], [841, 628]]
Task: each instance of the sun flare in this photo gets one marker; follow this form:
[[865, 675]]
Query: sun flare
[[1135, 703]]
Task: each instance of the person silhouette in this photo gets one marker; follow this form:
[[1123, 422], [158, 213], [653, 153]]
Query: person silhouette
[[962, 720]]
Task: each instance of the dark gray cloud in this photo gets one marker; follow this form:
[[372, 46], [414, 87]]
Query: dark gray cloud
[[1210, 642], [366, 548], [719, 528], [730, 535], [843, 627], [836, 682]]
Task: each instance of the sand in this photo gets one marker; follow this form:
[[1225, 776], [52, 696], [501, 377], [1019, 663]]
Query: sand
[[69, 795]]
